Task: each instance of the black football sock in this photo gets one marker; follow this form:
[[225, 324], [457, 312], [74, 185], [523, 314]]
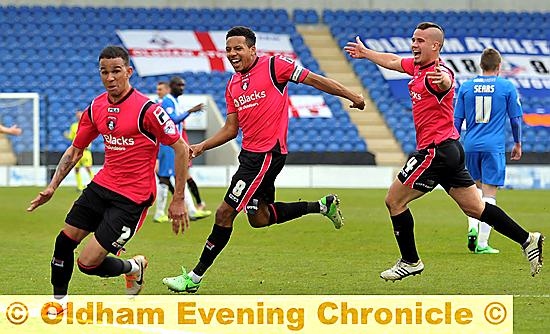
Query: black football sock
[[403, 229], [313, 207], [280, 212], [217, 240], [110, 267], [502, 223], [62, 263], [194, 189]]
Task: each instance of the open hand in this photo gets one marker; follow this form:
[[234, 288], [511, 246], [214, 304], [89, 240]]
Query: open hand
[[356, 49], [43, 197]]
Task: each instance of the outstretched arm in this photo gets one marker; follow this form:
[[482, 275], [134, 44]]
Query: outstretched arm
[[333, 87], [180, 118], [229, 131], [66, 163], [358, 50]]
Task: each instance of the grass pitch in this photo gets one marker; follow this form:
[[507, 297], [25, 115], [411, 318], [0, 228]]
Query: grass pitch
[[305, 256]]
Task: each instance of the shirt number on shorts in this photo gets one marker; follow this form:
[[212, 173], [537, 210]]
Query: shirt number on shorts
[[126, 232], [409, 166], [238, 188]]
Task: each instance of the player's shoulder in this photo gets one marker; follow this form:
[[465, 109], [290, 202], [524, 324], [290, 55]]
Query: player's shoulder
[[168, 101], [505, 82], [467, 85], [100, 97], [140, 96]]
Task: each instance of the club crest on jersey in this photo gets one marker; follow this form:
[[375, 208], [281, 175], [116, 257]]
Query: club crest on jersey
[[111, 122], [113, 110], [245, 83]]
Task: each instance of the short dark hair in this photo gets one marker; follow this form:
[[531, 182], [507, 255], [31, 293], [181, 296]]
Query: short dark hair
[[114, 51], [162, 83], [249, 35], [490, 59], [426, 25], [176, 80]]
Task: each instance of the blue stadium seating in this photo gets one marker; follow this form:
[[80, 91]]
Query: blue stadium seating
[[397, 113], [51, 51]]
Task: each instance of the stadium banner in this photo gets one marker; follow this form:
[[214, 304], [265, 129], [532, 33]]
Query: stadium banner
[[156, 52], [252, 314], [308, 106], [537, 117], [525, 62]]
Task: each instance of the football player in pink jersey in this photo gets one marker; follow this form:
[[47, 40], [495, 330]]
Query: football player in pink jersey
[[439, 159], [114, 205], [257, 104]]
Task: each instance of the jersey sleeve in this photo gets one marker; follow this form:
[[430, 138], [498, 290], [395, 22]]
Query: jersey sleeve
[[229, 100], [157, 121], [169, 106], [408, 65], [86, 132], [286, 70], [514, 104]]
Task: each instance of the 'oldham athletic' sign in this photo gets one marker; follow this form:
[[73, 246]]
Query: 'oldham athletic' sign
[[526, 62]]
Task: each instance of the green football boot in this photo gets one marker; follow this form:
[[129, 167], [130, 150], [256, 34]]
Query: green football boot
[[330, 207], [181, 283]]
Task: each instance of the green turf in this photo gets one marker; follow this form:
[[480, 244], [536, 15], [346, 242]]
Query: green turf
[[306, 256]]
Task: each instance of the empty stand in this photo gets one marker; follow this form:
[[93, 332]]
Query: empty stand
[[53, 51]]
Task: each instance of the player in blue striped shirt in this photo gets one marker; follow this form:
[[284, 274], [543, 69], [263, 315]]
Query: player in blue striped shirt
[[485, 102]]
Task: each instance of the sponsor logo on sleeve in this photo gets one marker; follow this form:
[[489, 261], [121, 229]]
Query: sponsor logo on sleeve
[[161, 115], [170, 128]]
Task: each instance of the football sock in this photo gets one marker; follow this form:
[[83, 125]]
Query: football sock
[[313, 207], [62, 263], [91, 173], [110, 267], [484, 228], [473, 224], [217, 240], [280, 212], [502, 223], [194, 277], [162, 195], [403, 229], [135, 267], [194, 190]]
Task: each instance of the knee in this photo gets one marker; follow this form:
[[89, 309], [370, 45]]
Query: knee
[[391, 203], [224, 216], [255, 222], [261, 218]]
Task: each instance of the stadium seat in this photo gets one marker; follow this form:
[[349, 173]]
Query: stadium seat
[[37, 37]]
